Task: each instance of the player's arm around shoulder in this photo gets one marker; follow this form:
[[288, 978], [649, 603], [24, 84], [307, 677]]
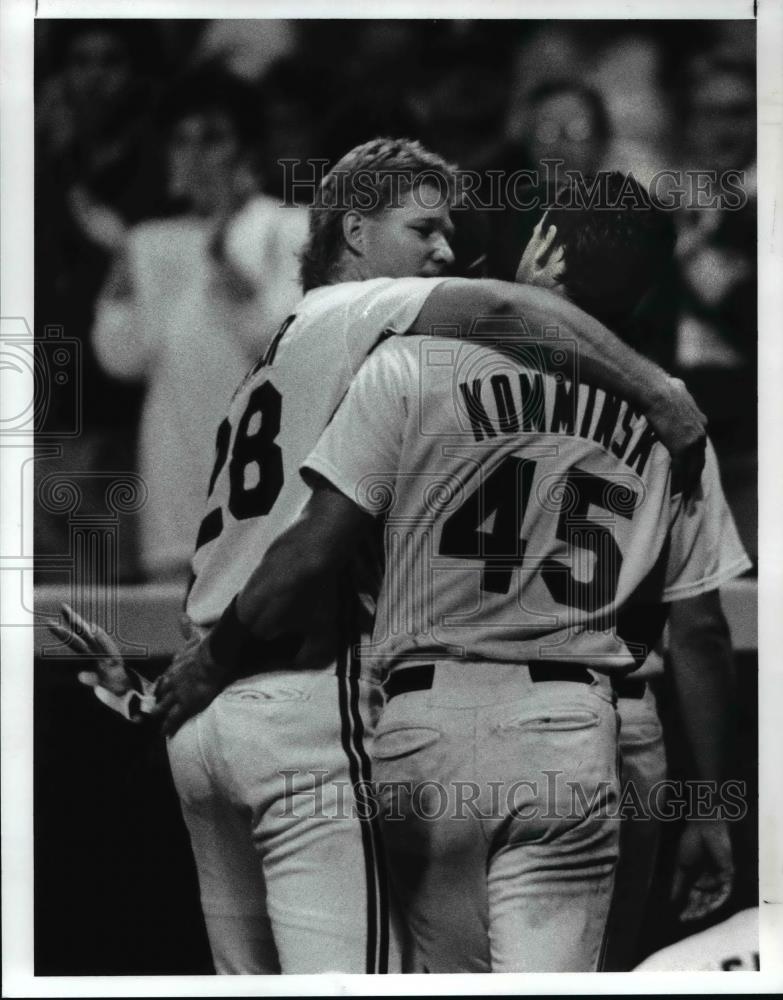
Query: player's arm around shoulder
[[273, 603], [459, 303], [361, 442], [463, 303], [598, 355]]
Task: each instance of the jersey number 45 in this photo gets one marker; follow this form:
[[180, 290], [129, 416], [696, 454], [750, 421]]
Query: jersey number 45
[[505, 493]]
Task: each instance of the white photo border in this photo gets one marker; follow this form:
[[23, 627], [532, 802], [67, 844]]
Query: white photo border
[[16, 300]]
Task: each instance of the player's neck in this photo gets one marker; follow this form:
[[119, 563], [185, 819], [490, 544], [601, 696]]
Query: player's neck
[[352, 268]]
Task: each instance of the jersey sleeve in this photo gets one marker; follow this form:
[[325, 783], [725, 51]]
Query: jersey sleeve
[[359, 451], [388, 306], [705, 548]]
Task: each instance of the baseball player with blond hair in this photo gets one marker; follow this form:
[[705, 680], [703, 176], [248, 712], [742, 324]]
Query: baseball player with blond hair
[[533, 536], [290, 731]]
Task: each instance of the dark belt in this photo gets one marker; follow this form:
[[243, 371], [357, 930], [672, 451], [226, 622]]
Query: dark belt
[[420, 677], [629, 687]]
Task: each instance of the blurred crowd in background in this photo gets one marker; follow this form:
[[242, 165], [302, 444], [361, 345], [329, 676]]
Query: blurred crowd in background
[[162, 246]]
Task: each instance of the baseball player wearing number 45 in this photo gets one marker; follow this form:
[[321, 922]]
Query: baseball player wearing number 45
[[533, 536], [270, 875], [591, 248]]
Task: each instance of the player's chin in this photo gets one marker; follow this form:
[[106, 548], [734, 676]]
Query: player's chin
[[432, 271]]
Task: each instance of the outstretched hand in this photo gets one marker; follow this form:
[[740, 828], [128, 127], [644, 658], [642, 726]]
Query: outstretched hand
[[189, 684], [90, 640], [704, 873], [119, 688]]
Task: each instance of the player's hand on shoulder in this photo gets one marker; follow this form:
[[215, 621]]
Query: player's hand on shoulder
[[192, 681], [704, 869], [682, 427]]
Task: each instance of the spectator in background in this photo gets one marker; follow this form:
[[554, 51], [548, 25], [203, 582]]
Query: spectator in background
[[291, 117], [640, 116], [566, 129], [718, 246], [92, 116], [245, 48], [193, 300], [703, 320], [97, 170], [717, 332], [459, 91], [624, 63], [568, 122], [371, 92], [551, 52]]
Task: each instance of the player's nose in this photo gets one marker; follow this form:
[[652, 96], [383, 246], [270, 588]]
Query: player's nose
[[442, 251]]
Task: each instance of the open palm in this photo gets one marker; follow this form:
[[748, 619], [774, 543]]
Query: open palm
[[90, 640]]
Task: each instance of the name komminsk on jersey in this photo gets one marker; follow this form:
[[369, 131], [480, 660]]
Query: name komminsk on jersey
[[275, 419], [528, 516]]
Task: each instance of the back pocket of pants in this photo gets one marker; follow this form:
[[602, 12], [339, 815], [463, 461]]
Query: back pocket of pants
[[269, 690], [558, 721], [393, 744]]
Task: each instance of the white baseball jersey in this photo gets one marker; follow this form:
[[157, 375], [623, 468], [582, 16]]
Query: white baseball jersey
[[528, 516], [275, 419], [732, 946]]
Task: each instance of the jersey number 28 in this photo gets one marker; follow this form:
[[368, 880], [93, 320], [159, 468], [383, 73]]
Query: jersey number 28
[[255, 467]]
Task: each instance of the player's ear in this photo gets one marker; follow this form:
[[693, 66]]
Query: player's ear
[[353, 230]]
